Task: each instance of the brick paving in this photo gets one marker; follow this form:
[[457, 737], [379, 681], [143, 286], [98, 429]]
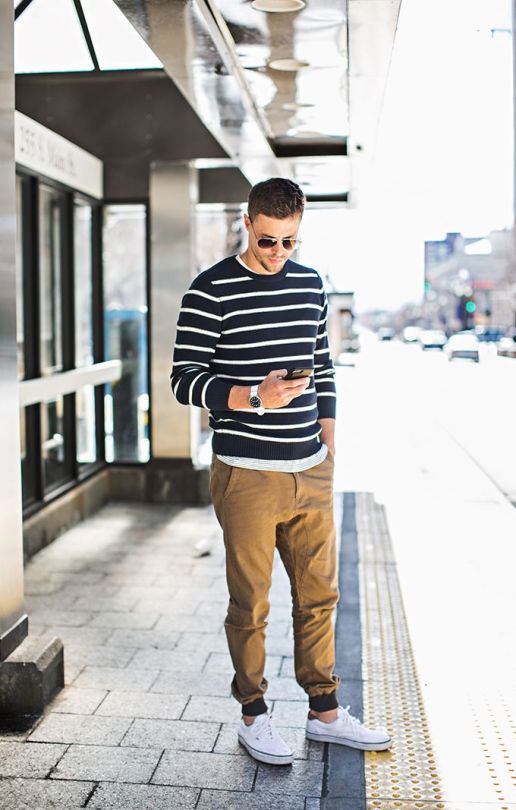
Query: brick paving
[[146, 719]]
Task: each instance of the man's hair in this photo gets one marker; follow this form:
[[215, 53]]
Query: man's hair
[[277, 197]]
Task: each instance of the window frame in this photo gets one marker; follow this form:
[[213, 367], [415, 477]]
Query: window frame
[[31, 286]]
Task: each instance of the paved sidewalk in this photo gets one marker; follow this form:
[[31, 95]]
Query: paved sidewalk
[[146, 719]]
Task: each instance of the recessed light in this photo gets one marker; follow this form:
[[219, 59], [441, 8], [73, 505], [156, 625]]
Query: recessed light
[[306, 133], [278, 5], [288, 64], [296, 105]]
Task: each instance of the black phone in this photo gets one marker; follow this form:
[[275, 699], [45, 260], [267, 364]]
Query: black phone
[[296, 373]]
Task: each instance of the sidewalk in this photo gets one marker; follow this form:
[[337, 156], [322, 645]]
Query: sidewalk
[[146, 719]]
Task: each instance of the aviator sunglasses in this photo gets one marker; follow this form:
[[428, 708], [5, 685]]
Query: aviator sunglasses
[[266, 242]]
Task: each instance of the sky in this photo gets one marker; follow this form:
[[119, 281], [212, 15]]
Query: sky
[[444, 156]]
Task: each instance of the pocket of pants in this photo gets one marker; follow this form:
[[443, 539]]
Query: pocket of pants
[[222, 478]]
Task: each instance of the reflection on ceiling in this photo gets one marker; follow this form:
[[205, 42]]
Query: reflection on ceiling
[[285, 86]]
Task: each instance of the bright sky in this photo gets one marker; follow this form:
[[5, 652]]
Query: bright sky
[[444, 157]]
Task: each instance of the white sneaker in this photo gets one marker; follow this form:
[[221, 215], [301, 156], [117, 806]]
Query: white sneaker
[[263, 742], [348, 730]]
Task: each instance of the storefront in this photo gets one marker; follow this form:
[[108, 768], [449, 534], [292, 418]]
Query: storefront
[[81, 318]]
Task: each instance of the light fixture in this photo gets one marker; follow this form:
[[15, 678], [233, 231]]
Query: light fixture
[[290, 65], [278, 5], [296, 105]]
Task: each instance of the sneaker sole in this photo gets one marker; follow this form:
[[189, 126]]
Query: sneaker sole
[[269, 759], [328, 738]]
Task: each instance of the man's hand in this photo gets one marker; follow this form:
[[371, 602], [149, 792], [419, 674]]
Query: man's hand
[[274, 391]]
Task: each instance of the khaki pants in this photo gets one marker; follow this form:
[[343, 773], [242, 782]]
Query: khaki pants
[[259, 511]]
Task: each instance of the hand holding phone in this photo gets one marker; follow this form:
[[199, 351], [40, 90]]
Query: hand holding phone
[[297, 373], [278, 389]]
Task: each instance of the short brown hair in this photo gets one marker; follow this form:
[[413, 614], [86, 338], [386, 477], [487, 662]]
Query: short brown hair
[[277, 197]]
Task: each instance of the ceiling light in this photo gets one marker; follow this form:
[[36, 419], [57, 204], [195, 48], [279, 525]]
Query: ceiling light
[[278, 5], [288, 64], [306, 133], [296, 105]]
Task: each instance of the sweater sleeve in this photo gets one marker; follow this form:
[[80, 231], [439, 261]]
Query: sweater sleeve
[[324, 375], [198, 331]]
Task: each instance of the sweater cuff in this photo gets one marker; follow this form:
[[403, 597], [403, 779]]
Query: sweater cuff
[[217, 394], [327, 407]]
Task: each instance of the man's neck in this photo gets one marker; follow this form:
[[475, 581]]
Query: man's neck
[[253, 264]]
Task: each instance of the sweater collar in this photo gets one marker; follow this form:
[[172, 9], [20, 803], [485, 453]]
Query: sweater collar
[[265, 277]]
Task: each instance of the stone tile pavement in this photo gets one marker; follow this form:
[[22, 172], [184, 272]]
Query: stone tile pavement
[[146, 719]]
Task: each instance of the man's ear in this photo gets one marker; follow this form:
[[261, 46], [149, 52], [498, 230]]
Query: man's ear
[[247, 222]]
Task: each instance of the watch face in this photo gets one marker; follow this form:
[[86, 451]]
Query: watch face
[[255, 402]]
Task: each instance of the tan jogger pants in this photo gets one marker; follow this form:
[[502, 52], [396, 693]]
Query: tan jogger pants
[[259, 511]]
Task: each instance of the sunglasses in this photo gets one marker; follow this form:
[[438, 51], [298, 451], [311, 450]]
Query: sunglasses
[[266, 242]]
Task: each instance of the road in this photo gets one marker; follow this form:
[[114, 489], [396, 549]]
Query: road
[[435, 442]]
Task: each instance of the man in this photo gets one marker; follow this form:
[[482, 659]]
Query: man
[[243, 324]]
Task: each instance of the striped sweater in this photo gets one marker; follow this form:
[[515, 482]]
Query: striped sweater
[[234, 327]]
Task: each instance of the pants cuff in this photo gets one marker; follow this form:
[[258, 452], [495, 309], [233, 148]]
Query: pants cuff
[[323, 703], [254, 708]]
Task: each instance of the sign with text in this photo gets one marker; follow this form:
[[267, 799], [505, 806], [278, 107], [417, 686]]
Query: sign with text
[[45, 152]]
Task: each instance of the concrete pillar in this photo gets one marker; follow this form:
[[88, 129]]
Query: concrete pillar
[[13, 622], [173, 196], [31, 670]]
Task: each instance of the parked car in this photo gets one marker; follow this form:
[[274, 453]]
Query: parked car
[[386, 333], [411, 334], [432, 339], [489, 334], [506, 347], [463, 344]]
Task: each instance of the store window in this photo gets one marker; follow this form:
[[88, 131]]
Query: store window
[[50, 252], [83, 283], [27, 466], [86, 426], [125, 331], [19, 280], [53, 448]]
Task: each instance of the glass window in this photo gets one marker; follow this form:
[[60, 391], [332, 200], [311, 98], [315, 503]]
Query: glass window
[[117, 44], [28, 490], [19, 279], [83, 284], [125, 296], [86, 424], [48, 38], [50, 225], [53, 443], [219, 231]]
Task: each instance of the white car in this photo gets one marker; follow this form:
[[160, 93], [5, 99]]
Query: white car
[[432, 339], [463, 345], [411, 334]]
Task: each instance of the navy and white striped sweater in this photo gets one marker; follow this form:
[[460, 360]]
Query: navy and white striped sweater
[[234, 327]]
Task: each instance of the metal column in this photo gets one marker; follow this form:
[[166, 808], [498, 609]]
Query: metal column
[[13, 623], [173, 196]]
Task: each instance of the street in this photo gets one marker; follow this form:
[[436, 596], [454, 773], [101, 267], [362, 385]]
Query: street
[[434, 441]]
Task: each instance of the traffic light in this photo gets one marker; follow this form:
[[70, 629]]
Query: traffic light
[[466, 309]]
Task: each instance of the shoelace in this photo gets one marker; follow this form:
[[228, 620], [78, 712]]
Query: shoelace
[[267, 727], [354, 722]]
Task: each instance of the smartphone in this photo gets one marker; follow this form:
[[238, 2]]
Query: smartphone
[[296, 373]]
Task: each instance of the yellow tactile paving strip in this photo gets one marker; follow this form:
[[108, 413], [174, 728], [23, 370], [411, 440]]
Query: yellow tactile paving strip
[[407, 777]]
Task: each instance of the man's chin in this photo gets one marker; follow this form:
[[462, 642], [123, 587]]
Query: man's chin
[[273, 267]]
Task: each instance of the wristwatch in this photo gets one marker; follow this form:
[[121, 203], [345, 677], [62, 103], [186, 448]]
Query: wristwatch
[[255, 401]]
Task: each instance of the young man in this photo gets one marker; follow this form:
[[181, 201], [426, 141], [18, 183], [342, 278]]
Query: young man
[[243, 324]]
